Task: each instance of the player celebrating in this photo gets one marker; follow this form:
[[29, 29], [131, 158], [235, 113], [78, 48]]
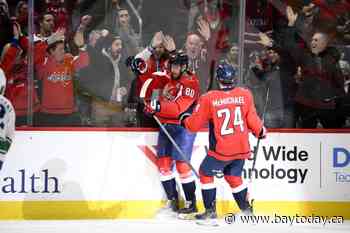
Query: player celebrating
[[7, 120], [231, 113], [178, 96]]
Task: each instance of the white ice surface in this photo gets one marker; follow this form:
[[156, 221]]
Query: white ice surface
[[161, 226]]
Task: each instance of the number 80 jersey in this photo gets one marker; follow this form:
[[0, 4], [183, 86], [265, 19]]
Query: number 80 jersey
[[231, 115], [178, 96]]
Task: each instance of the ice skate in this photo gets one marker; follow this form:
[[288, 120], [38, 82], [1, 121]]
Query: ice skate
[[169, 211], [189, 211], [208, 218], [245, 214]]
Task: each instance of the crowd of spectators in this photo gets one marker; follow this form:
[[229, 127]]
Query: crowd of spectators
[[295, 59]]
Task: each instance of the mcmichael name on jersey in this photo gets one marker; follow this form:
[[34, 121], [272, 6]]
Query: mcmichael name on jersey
[[237, 100]]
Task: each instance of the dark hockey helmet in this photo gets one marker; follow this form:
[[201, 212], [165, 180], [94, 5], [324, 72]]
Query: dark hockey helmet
[[226, 74], [178, 58]]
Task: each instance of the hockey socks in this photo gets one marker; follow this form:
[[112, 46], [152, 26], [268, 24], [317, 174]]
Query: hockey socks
[[190, 204], [209, 196], [241, 199], [209, 216], [189, 190], [170, 189]]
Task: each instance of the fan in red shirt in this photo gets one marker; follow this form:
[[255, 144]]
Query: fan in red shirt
[[14, 63], [231, 114], [15, 66], [56, 72]]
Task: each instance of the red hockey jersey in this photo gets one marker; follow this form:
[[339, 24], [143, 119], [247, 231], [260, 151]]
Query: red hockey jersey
[[157, 81], [57, 83], [177, 97], [231, 115]]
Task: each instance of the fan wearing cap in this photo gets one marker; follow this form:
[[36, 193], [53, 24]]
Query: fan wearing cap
[[105, 99], [177, 97], [56, 72]]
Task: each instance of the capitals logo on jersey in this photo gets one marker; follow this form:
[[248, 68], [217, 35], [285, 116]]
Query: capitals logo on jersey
[[172, 91], [60, 77]]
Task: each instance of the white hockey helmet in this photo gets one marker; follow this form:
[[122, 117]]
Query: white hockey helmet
[[2, 82]]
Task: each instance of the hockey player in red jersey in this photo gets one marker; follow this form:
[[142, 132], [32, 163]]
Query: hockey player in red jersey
[[231, 114], [178, 96]]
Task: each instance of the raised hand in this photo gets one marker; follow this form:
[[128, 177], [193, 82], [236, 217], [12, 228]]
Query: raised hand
[[60, 32], [203, 28], [79, 37], [169, 43], [17, 32], [94, 37], [265, 40], [57, 36], [157, 39], [291, 16]]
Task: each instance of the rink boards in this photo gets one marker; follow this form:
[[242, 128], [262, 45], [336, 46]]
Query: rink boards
[[112, 174]]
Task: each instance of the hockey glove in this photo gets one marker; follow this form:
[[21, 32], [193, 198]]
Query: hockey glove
[[182, 118], [262, 134], [152, 107], [138, 65]]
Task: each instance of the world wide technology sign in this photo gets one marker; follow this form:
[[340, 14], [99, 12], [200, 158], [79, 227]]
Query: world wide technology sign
[[121, 166]]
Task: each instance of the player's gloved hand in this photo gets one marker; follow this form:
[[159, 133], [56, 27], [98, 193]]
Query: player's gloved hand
[[182, 118], [152, 107], [263, 132], [137, 65]]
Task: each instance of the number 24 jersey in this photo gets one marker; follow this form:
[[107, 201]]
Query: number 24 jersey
[[231, 115]]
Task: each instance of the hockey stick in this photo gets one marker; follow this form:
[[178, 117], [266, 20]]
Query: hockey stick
[[183, 156], [258, 142]]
